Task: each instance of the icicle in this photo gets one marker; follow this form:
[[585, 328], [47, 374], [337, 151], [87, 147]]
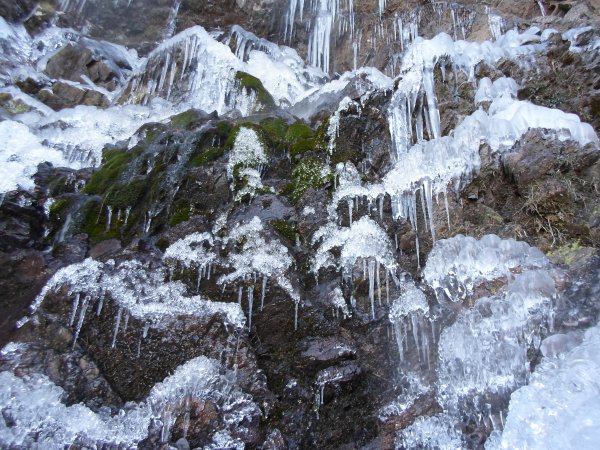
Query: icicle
[[240, 292], [146, 328], [417, 250], [423, 208], [296, 303], [398, 333], [350, 204], [387, 286], [74, 309], [186, 422], [381, 197], [100, 304], [425, 345], [378, 278], [541, 5], [167, 423], [427, 191], [81, 318], [262, 294], [198, 279], [415, 330], [125, 322], [127, 211], [116, 328], [250, 302], [372, 287], [447, 209]]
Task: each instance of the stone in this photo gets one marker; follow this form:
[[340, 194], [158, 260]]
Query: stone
[[105, 249]]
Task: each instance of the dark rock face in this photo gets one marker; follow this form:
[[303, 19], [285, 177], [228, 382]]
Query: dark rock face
[[324, 383]]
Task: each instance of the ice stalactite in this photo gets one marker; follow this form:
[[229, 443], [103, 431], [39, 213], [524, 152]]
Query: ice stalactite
[[109, 213], [326, 14], [411, 311], [382, 4], [495, 22], [364, 242], [116, 328], [82, 312], [250, 304], [74, 309], [262, 292], [372, 287]]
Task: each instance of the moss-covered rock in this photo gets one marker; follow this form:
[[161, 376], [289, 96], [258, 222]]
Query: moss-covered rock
[[309, 173], [207, 156], [113, 166], [253, 84]]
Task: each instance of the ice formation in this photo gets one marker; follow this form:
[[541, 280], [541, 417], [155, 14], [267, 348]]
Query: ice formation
[[456, 265], [410, 311], [432, 432], [141, 292], [20, 153], [259, 258], [248, 152], [485, 350], [197, 69], [363, 241], [41, 419], [559, 406]]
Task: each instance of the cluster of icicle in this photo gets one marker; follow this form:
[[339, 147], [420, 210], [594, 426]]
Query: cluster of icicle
[[484, 352], [326, 15], [363, 244], [191, 65], [425, 162], [39, 414], [256, 260], [137, 290], [248, 156]]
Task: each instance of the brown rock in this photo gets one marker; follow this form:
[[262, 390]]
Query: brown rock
[[105, 248]]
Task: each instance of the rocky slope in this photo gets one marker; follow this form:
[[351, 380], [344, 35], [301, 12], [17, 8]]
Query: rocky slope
[[225, 247]]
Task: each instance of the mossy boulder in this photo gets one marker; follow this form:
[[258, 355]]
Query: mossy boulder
[[252, 84]]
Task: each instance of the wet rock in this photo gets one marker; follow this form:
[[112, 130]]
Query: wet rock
[[65, 95], [105, 249], [16, 11], [328, 350], [99, 62]]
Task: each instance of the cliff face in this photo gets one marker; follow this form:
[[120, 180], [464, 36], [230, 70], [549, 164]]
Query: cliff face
[[224, 247]]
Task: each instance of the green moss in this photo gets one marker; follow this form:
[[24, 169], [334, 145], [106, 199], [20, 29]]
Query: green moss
[[60, 208], [252, 83], [184, 119], [287, 229], [94, 223], [181, 214], [275, 129], [129, 194], [303, 146], [114, 162], [310, 173], [162, 244], [298, 131], [209, 155]]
